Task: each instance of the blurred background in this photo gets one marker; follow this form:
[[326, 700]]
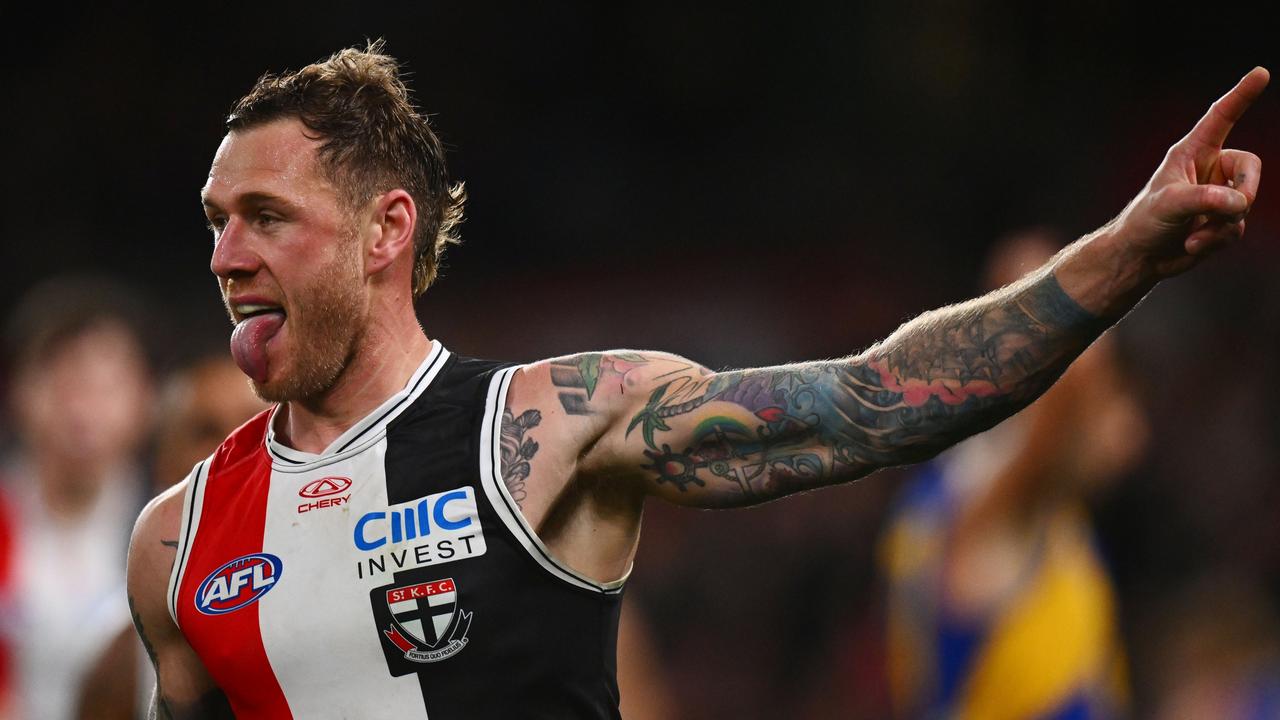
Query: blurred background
[[742, 186]]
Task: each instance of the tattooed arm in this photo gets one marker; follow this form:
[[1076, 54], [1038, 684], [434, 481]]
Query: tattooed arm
[[717, 439], [732, 438], [184, 690]]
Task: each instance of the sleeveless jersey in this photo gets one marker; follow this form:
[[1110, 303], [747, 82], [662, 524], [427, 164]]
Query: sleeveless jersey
[[391, 575]]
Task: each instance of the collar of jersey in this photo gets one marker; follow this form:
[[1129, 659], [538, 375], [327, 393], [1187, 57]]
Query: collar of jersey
[[369, 428]]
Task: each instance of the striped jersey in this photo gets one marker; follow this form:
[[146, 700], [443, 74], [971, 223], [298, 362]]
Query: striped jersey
[[391, 575]]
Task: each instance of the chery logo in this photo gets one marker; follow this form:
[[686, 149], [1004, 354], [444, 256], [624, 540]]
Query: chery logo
[[325, 486], [322, 492]]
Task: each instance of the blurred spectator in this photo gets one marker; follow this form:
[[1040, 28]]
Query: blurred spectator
[[70, 490], [199, 407], [999, 605]]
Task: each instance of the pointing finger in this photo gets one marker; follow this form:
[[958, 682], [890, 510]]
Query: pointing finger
[[1213, 128]]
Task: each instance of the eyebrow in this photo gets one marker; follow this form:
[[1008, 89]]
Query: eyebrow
[[249, 198]]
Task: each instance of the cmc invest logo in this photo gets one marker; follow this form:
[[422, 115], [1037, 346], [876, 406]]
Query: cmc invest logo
[[325, 486]]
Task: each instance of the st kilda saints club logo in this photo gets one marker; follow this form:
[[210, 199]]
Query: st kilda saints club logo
[[420, 621]]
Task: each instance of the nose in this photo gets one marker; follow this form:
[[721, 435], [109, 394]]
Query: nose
[[232, 254]]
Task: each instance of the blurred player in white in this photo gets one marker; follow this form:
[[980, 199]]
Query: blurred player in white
[[81, 399]]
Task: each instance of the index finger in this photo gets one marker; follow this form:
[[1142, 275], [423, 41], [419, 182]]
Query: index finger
[[1213, 128]]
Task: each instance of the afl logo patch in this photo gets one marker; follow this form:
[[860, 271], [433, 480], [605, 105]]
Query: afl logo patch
[[237, 584], [325, 486]]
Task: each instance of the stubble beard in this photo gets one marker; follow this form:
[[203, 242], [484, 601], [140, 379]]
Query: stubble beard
[[324, 327]]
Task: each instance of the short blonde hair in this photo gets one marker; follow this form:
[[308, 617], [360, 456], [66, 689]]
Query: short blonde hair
[[374, 140]]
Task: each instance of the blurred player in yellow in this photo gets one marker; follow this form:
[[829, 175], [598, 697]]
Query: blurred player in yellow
[[999, 604]]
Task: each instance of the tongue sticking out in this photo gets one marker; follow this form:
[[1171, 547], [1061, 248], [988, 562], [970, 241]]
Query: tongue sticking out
[[249, 343]]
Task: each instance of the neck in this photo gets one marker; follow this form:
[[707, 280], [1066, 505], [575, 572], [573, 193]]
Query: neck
[[381, 366]]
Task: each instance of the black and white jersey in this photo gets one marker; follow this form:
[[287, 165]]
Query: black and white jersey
[[390, 576]]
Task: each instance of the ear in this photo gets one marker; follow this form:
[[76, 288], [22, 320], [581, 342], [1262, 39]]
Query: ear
[[391, 225]]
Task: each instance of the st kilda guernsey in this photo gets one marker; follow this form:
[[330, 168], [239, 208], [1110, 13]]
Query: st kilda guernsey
[[392, 575]]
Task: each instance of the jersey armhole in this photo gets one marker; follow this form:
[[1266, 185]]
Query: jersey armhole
[[192, 504], [503, 504]]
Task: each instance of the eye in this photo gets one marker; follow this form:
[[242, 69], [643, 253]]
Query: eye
[[265, 219], [215, 224]]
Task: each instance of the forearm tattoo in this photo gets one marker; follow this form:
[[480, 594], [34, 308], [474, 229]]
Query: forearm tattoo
[[142, 634], [762, 434]]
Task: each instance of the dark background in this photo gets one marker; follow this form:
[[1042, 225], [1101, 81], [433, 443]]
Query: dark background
[[742, 185]]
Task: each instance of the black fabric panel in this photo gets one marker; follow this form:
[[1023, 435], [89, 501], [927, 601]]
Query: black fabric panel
[[434, 445], [537, 647]]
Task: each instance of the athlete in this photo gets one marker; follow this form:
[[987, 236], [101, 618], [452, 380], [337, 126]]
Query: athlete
[[412, 533]]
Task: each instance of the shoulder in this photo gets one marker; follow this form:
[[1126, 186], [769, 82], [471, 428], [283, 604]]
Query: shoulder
[[587, 402], [151, 557], [158, 523], [593, 382], [152, 552]]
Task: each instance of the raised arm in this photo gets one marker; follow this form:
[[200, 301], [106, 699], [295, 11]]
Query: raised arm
[[184, 690], [716, 439]]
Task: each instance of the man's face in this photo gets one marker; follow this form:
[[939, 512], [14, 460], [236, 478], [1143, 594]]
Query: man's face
[[288, 260]]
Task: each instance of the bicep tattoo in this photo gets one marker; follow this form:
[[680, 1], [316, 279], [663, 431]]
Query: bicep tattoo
[[577, 378], [517, 451]]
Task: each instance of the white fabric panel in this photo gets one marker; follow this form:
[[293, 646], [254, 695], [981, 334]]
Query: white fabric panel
[[316, 640], [192, 504]]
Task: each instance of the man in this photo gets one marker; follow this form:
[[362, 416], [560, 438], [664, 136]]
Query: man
[[999, 606], [81, 400], [411, 532]]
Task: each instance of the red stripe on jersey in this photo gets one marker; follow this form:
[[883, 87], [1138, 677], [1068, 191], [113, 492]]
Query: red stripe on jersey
[[8, 551], [233, 520]]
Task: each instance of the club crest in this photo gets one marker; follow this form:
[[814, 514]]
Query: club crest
[[420, 621]]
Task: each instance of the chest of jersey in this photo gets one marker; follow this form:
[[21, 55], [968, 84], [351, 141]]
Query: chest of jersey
[[384, 573]]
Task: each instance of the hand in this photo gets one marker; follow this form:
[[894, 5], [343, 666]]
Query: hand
[[1196, 201]]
